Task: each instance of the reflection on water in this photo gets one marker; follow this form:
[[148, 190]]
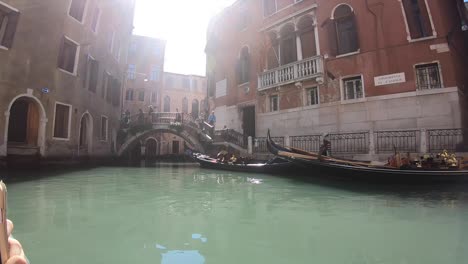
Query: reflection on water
[[189, 215]]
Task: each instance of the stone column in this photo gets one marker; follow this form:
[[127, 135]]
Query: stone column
[[299, 47], [249, 145], [287, 141], [371, 142], [423, 141]]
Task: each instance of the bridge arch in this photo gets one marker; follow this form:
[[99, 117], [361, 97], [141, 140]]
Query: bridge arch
[[192, 140]]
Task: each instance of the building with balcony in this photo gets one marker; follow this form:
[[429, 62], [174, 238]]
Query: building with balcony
[[63, 63], [321, 66], [144, 77]]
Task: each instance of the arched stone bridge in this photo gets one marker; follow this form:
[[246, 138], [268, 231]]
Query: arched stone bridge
[[138, 127]]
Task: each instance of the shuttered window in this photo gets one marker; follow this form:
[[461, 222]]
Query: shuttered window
[[141, 96], [92, 74], [243, 75], [62, 121], [8, 23], [269, 7], [77, 9], [68, 55]]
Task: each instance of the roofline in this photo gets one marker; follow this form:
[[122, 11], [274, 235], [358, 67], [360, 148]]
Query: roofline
[[188, 75]]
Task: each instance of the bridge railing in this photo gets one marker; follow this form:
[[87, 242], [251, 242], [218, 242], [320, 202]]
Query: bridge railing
[[232, 136]]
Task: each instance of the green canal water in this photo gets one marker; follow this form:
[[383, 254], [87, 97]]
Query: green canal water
[[188, 215]]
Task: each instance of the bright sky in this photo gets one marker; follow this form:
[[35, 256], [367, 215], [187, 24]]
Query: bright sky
[[183, 25]]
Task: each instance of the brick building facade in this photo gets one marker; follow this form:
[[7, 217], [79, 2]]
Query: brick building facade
[[144, 78], [320, 66], [63, 63]]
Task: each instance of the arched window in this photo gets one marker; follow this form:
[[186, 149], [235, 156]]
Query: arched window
[[307, 36], [346, 37], [167, 104], [417, 16], [273, 51], [244, 66], [185, 105], [288, 48]]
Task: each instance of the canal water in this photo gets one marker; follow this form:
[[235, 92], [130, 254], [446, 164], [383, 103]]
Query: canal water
[[188, 215]]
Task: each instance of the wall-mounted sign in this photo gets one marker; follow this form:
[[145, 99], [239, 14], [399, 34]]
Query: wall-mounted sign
[[390, 79], [45, 90]]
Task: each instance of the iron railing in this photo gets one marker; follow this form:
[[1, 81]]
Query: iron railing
[[445, 139], [260, 145], [232, 136], [349, 143], [308, 143], [402, 141]]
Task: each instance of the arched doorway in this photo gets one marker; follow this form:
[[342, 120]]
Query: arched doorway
[[23, 123], [195, 108], [86, 134], [151, 148]]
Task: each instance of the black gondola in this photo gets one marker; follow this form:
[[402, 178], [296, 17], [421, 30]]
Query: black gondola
[[272, 166], [327, 166]]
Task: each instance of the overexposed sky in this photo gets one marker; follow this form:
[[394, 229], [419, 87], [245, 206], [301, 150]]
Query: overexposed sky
[[183, 25]]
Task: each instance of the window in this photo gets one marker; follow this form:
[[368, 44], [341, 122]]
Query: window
[[129, 95], [243, 19], [167, 104], [194, 84], [428, 76], [345, 30], [417, 16], [269, 7], [153, 97], [154, 75], [8, 22], [157, 49], [141, 96], [243, 75], [306, 33], [288, 48], [116, 49], [312, 96], [68, 55], [352, 88], [185, 105], [169, 83], [105, 84], [62, 121], [186, 83], [274, 103], [95, 20], [92, 73], [77, 9], [108, 87], [115, 92], [273, 52], [133, 48], [131, 74], [104, 126]]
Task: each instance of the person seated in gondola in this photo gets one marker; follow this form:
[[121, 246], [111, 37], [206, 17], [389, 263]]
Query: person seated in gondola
[[233, 159], [221, 157]]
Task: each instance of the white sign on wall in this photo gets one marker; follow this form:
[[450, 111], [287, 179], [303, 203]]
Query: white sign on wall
[[221, 88], [390, 79]]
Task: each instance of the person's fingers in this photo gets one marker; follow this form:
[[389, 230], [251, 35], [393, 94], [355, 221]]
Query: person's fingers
[[17, 260], [15, 248], [9, 227]]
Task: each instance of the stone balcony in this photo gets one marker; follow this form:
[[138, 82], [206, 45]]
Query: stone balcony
[[290, 73]]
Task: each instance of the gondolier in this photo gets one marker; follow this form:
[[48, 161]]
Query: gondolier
[[325, 148]]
